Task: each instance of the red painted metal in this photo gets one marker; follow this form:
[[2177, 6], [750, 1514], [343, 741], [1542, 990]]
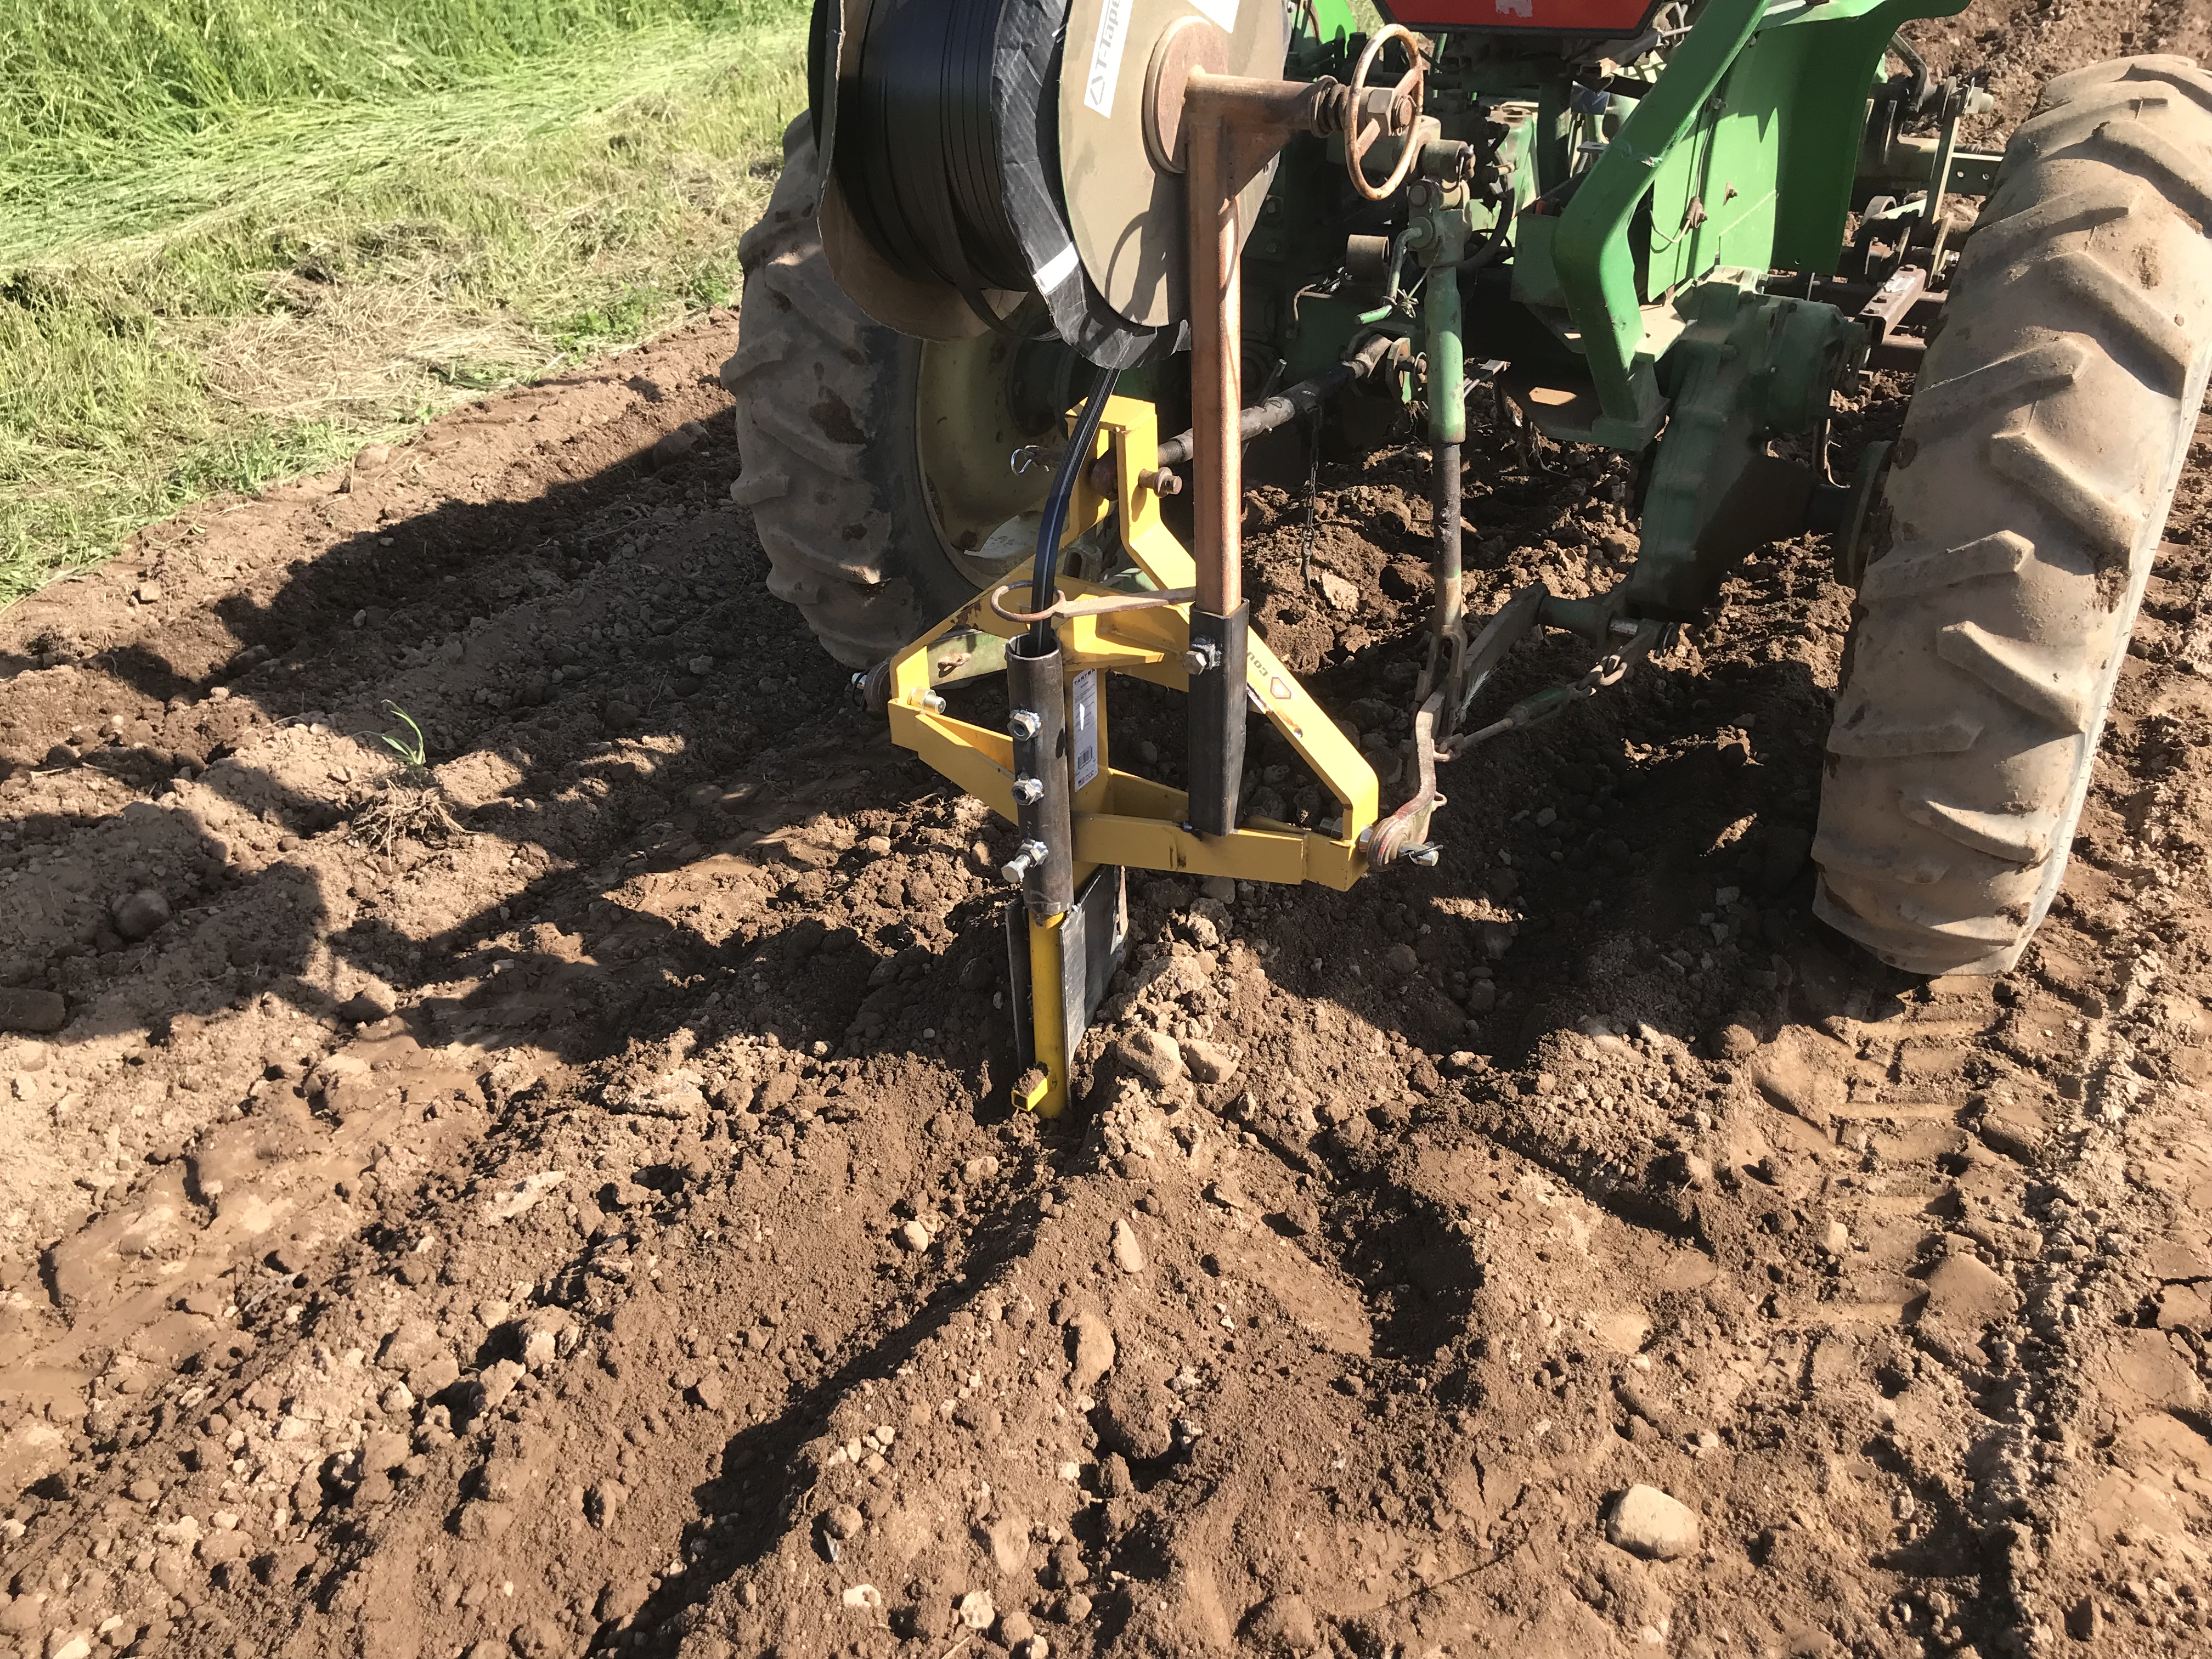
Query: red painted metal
[[1601, 17]]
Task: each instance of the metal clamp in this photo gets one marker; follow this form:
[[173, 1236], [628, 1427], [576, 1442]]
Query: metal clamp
[[1100, 606]]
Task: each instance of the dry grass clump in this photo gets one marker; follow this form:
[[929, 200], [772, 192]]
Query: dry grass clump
[[360, 352]]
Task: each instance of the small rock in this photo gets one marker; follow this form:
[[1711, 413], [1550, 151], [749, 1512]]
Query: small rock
[[702, 666], [1218, 887], [1402, 958], [1209, 1062], [498, 1381], [1336, 593], [1030, 1647], [1151, 1057], [67, 1644], [140, 913], [1646, 1522], [1073, 1608], [1015, 1627], [710, 1392], [866, 1597], [1128, 1253], [842, 1522], [1091, 1343], [372, 457], [363, 1008], [977, 1610], [148, 592], [32, 1011], [1482, 996], [914, 1235], [541, 1344]]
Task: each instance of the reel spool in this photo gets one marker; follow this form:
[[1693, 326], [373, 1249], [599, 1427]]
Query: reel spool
[[975, 176]]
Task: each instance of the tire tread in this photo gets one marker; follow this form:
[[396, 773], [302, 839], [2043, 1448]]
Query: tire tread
[[2033, 475]]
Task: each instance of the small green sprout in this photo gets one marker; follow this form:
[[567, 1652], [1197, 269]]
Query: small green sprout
[[413, 749]]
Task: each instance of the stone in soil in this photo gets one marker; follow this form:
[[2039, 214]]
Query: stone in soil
[[1648, 1522], [138, 915]]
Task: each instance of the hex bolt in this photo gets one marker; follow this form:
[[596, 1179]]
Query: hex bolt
[[1028, 790], [1425, 853], [1202, 657], [933, 702], [1026, 858], [1024, 723]]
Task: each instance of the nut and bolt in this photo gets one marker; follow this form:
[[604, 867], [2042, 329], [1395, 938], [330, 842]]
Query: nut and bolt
[[1026, 858], [1028, 791], [1203, 658], [1024, 724]]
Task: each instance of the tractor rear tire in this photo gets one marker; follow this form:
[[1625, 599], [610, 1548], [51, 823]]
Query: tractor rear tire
[[2023, 504], [826, 414]]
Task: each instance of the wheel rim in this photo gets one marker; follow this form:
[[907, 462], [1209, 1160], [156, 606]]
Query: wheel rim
[[979, 400]]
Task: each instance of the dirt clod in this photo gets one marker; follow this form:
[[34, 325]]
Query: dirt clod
[[32, 1011]]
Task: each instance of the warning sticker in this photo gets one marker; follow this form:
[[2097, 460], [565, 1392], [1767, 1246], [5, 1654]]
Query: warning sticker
[[1086, 727], [1106, 56], [1223, 12]]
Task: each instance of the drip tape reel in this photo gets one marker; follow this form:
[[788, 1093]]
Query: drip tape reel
[[1001, 163]]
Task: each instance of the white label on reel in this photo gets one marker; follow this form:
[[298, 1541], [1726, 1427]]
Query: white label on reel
[[1223, 12], [1086, 727], [1106, 56]]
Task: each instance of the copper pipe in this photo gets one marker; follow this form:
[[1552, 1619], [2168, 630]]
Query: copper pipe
[[1231, 126], [1217, 392]]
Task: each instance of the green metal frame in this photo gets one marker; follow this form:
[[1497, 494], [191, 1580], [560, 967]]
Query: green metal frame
[[1764, 98]]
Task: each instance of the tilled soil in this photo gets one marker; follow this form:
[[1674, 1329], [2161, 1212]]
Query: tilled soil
[[561, 1197]]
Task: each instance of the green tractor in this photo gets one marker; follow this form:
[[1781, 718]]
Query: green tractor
[[1671, 229]]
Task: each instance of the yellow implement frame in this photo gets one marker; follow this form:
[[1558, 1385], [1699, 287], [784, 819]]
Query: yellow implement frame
[[1120, 818]]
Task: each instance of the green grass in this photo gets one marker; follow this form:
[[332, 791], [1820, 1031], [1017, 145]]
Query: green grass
[[239, 238]]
